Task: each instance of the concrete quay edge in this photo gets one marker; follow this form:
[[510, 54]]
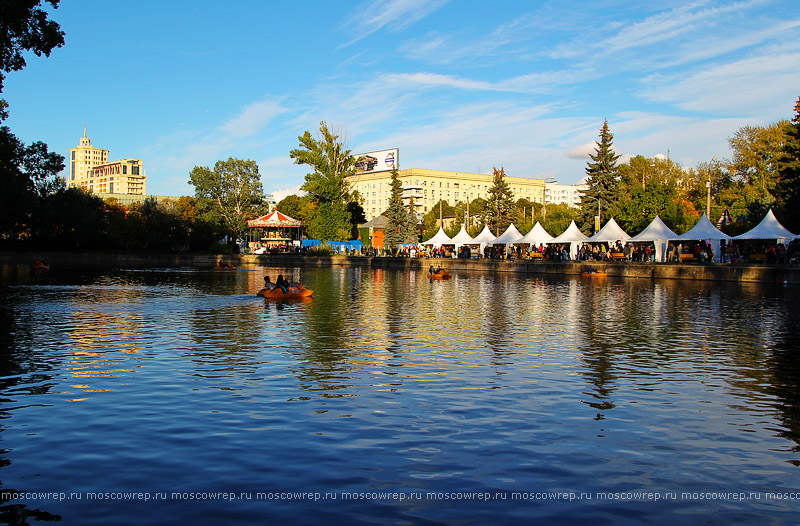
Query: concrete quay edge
[[758, 273]]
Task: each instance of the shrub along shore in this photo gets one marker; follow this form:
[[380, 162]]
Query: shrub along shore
[[758, 273]]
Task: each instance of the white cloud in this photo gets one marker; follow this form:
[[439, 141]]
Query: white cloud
[[763, 85], [670, 24], [279, 195], [395, 15], [581, 151], [253, 118]]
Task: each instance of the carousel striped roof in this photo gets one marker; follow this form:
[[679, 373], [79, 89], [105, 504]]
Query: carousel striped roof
[[274, 219]]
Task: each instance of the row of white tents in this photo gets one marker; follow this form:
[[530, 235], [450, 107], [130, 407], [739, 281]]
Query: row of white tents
[[656, 232]]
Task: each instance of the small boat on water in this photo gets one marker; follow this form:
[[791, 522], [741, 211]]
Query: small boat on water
[[292, 293], [439, 274], [225, 266]]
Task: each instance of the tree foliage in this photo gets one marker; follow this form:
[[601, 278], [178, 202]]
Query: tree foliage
[[330, 222], [301, 208], [787, 190], [603, 179], [28, 174], [500, 204], [432, 219], [557, 217], [755, 154], [402, 224], [24, 26], [230, 194], [331, 161]]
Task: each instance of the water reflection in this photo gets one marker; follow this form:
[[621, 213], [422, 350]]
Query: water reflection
[[481, 381]]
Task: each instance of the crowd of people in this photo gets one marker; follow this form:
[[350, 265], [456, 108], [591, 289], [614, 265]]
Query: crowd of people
[[689, 251]]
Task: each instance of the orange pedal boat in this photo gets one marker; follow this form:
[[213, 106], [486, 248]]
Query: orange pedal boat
[[278, 294]]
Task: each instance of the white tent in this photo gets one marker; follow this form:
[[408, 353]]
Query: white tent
[[610, 232], [537, 236], [658, 233], [768, 228], [439, 239], [511, 235], [571, 235], [705, 231], [462, 238], [484, 238]]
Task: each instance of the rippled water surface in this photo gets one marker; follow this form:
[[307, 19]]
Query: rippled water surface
[[140, 396]]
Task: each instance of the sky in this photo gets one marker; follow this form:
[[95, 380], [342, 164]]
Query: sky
[[458, 85]]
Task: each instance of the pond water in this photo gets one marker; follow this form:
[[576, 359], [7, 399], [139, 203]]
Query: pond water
[[162, 395]]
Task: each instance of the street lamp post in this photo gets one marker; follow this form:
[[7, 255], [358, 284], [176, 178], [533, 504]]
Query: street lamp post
[[466, 227], [708, 186]]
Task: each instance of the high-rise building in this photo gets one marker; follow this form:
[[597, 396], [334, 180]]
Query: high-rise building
[[89, 169], [82, 159]]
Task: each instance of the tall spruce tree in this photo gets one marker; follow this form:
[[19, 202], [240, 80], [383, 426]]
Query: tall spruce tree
[[401, 220], [787, 191], [603, 180], [500, 204]]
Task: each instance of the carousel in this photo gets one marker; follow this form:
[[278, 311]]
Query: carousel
[[274, 232]]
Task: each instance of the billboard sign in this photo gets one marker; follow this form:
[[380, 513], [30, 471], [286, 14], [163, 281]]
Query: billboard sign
[[379, 161]]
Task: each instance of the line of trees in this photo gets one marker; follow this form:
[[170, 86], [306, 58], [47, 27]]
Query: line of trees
[[37, 208], [762, 173]]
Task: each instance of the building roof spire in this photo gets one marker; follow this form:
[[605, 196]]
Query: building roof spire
[[84, 131]]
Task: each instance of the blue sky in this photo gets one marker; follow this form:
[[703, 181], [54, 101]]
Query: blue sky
[[456, 85]]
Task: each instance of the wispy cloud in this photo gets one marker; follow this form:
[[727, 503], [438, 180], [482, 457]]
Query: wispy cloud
[[253, 118], [756, 84], [395, 15], [670, 25]]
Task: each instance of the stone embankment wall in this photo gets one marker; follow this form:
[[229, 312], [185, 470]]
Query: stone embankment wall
[[789, 274]]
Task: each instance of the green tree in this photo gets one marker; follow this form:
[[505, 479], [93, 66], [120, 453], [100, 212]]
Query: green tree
[[603, 179], [643, 204], [500, 203], [299, 207], [230, 194], [332, 163], [787, 190], [28, 174], [432, 220], [402, 224], [525, 214], [330, 222], [73, 218], [755, 153], [24, 26], [556, 218]]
